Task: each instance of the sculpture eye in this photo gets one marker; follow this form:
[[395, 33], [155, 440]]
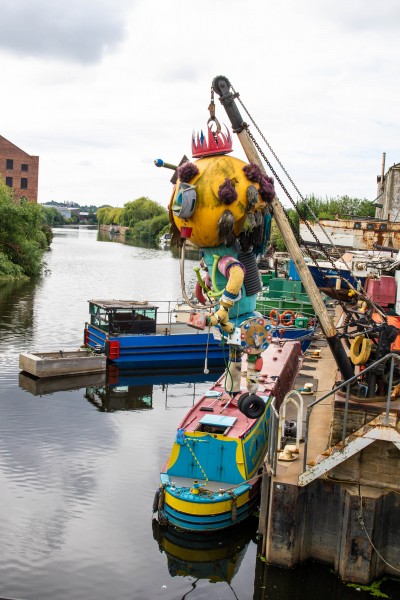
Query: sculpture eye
[[185, 201]]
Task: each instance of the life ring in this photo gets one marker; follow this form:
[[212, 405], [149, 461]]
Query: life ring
[[274, 316], [360, 350], [287, 321]]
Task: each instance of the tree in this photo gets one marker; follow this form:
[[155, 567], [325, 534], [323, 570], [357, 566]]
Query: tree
[[314, 208], [140, 210], [22, 240], [52, 217], [107, 215], [149, 229]]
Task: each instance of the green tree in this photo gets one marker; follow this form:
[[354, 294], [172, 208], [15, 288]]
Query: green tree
[[314, 208], [52, 217], [149, 229], [107, 215], [22, 240], [140, 210]]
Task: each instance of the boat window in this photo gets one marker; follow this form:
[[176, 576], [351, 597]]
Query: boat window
[[215, 424], [212, 428], [98, 317]]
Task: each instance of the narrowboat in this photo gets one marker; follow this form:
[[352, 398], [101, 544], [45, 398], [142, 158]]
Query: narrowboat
[[212, 477], [129, 331]]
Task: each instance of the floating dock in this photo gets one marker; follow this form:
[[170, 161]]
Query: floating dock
[[59, 363], [339, 505]]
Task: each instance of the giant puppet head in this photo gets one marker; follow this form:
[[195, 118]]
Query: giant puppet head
[[218, 199]]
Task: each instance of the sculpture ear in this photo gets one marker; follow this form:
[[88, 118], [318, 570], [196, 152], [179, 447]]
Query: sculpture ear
[[185, 201]]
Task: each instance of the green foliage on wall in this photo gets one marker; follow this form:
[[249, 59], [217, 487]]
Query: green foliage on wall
[[23, 239]]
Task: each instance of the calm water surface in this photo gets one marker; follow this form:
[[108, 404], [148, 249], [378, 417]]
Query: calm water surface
[[79, 467]]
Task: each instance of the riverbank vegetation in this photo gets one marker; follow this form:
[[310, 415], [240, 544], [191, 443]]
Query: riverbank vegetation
[[144, 218], [25, 236], [314, 208]]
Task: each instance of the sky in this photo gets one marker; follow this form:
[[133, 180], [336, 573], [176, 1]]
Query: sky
[[98, 89]]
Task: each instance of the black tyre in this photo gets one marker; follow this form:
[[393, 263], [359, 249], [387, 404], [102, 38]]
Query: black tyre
[[240, 400], [252, 407]]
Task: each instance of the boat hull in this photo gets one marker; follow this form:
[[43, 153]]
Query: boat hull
[[211, 512], [178, 351], [323, 277]]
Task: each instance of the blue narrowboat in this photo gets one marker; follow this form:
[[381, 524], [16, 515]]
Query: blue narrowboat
[[128, 332]]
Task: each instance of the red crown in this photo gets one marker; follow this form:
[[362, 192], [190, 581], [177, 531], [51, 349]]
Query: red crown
[[217, 143]]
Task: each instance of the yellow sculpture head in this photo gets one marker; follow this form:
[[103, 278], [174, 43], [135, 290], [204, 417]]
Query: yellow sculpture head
[[215, 199]]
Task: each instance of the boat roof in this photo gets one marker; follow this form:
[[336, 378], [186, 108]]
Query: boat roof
[[129, 304], [217, 407]]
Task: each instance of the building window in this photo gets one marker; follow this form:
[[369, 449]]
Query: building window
[[24, 167], [24, 183], [9, 163], [9, 181]]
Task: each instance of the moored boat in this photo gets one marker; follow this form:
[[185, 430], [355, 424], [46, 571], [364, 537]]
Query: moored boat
[[211, 479], [129, 331]]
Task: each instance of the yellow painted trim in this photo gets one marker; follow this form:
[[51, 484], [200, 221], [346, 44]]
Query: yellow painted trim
[[240, 460], [174, 455], [200, 508], [193, 554]]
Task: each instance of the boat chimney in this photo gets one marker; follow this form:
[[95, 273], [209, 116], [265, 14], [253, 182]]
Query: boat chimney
[[383, 170]]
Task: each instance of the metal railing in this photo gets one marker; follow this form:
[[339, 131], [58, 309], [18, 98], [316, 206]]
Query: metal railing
[[347, 384], [272, 448]]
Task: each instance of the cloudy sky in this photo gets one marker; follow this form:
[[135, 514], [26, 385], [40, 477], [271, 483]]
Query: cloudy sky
[[100, 88]]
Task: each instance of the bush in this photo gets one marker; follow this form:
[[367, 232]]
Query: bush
[[22, 240], [149, 229]]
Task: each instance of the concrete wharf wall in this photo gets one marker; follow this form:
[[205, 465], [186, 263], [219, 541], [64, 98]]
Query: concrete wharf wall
[[348, 517]]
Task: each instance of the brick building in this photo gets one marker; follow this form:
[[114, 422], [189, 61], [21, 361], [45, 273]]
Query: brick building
[[19, 170]]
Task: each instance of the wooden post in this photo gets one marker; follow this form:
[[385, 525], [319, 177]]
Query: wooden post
[[222, 86]]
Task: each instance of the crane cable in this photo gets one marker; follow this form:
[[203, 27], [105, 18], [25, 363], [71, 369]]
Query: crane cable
[[295, 205]]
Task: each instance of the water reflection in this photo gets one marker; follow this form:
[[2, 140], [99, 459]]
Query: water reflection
[[214, 557], [106, 236], [115, 388], [108, 398], [310, 581]]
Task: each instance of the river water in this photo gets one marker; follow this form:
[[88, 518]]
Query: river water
[[79, 467]]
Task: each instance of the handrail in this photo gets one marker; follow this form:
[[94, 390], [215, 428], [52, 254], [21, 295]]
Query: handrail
[[392, 357], [273, 437]]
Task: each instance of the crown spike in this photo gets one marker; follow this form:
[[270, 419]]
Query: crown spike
[[216, 143]]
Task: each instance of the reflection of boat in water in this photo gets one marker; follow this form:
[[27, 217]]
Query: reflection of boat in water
[[115, 388], [128, 390], [215, 557], [50, 385], [109, 398]]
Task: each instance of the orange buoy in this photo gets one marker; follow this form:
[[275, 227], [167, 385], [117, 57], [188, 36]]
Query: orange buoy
[[274, 316], [287, 318]]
